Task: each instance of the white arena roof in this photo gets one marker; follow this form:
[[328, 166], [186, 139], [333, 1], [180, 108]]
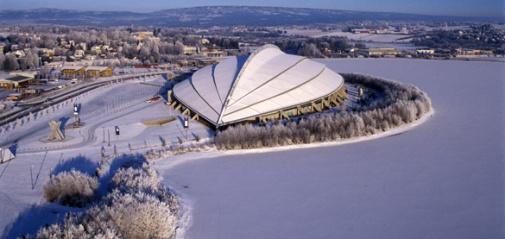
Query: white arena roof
[[242, 87]]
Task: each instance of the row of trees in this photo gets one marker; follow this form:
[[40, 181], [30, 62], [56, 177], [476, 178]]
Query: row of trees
[[10, 62], [477, 37], [401, 104], [314, 47]]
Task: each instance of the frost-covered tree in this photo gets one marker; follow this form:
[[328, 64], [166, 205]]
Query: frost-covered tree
[[71, 188], [136, 206], [2, 61], [11, 63], [400, 104], [140, 215]]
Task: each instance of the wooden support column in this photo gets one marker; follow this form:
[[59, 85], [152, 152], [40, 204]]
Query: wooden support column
[[169, 96], [315, 106]]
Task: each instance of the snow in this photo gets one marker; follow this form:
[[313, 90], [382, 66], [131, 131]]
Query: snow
[[121, 104], [443, 179]]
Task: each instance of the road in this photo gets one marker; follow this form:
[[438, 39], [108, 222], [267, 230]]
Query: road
[[41, 103]]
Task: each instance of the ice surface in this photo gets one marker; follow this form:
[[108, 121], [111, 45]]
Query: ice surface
[[444, 179]]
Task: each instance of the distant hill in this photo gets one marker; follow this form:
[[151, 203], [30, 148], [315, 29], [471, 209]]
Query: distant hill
[[210, 16]]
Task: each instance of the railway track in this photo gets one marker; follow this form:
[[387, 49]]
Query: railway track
[[43, 103]]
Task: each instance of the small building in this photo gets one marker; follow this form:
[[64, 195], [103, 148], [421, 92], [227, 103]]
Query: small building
[[73, 71], [83, 46], [79, 53], [189, 50], [15, 82], [248, 47], [97, 50], [98, 71], [473, 53], [204, 41], [47, 52], [214, 53], [379, 52], [38, 89], [140, 36], [425, 52], [361, 30], [19, 53]]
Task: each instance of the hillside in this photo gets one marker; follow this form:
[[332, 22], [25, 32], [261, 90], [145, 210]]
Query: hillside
[[209, 16]]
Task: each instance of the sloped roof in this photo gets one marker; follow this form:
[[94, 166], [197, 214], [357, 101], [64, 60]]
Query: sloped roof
[[72, 67], [96, 68], [246, 86]]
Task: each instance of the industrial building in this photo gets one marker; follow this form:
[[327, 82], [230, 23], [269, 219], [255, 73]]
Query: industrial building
[[265, 85], [71, 71], [98, 71], [15, 81]]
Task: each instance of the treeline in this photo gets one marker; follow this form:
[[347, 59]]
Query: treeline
[[10, 62], [485, 37], [315, 47], [400, 104]]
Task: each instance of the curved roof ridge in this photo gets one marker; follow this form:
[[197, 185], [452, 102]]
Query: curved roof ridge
[[280, 93], [269, 80], [238, 76], [200, 95], [215, 84]]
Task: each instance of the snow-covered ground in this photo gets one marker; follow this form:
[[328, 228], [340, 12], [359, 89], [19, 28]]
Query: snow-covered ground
[[443, 179], [121, 104]]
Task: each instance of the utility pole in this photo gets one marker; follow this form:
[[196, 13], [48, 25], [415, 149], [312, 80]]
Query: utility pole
[[186, 126]]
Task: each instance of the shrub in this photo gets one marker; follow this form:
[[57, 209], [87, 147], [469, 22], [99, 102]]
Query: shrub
[[141, 215], [123, 215], [137, 207], [92, 224], [70, 188], [143, 179], [399, 104]]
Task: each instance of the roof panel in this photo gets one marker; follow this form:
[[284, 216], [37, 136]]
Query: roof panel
[[203, 83], [266, 81]]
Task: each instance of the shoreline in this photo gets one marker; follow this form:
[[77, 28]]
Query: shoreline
[[214, 153], [187, 203]]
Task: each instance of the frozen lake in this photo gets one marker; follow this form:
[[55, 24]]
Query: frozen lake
[[444, 179]]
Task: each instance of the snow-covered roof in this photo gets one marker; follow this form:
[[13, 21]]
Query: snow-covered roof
[[96, 68], [247, 86], [71, 67]]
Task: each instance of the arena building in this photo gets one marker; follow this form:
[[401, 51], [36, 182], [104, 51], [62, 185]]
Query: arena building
[[265, 85]]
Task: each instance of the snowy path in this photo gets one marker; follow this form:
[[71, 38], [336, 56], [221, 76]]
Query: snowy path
[[444, 179]]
